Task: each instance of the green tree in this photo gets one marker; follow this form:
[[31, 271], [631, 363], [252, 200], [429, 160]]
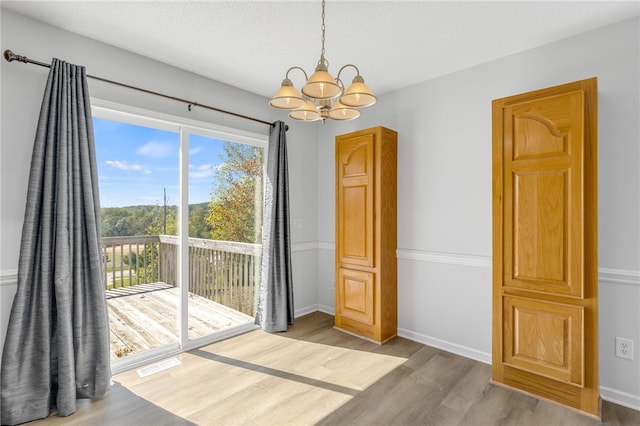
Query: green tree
[[199, 226], [138, 220], [235, 210]]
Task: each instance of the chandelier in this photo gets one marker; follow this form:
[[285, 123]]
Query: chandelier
[[323, 96]]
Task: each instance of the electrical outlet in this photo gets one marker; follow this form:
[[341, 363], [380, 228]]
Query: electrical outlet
[[624, 348]]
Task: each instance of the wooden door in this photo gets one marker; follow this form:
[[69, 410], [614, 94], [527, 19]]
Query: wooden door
[[355, 289], [545, 244], [355, 189]]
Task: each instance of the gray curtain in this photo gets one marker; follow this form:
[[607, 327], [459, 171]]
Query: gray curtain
[[57, 343], [275, 302]]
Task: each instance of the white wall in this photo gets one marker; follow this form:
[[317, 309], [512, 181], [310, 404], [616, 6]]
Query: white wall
[[444, 195], [22, 91]]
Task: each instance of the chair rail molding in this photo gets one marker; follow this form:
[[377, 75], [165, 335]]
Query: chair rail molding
[[8, 277], [304, 246], [619, 276], [605, 275], [462, 259], [326, 245]]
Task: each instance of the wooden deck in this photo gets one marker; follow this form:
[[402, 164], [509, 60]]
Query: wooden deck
[[143, 317]]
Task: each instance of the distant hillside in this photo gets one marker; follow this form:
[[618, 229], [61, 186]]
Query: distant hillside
[[153, 220]]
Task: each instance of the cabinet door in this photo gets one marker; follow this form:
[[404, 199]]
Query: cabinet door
[[355, 295], [355, 192]]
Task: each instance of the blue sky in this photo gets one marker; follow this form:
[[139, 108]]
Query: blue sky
[[136, 163]]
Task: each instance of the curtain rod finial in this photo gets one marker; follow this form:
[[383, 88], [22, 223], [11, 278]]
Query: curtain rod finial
[[8, 55]]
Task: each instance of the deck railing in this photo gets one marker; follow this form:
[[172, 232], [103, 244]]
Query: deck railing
[[223, 271]]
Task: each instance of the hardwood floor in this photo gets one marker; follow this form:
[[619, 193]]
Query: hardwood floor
[[314, 374]]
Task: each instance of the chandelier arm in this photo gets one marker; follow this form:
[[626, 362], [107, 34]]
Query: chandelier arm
[[346, 66], [297, 68]]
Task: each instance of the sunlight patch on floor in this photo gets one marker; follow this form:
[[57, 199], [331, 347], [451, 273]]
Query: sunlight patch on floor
[[292, 382]]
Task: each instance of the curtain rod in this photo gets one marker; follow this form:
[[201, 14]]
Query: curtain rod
[[10, 57]]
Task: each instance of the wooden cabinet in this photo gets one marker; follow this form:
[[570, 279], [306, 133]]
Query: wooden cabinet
[[366, 234], [545, 228]]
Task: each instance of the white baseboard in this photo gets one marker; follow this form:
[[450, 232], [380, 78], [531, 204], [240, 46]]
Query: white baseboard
[[327, 309], [620, 398], [454, 348], [314, 308], [304, 311]]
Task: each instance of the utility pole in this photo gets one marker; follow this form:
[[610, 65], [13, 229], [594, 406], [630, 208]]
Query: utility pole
[[164, 219]]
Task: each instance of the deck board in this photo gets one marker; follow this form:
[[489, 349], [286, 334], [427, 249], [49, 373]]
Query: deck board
[[146, 318]]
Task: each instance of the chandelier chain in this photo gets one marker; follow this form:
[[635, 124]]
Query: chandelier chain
[[322, 59]]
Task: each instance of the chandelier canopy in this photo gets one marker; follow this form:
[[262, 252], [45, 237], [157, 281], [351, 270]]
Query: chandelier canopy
[[323, 96]]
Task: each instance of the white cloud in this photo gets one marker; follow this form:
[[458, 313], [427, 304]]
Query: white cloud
[[195, 150], [156, 149], [123, 165], [201, 171]]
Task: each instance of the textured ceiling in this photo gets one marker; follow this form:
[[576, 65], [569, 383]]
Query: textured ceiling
[[395, 44]]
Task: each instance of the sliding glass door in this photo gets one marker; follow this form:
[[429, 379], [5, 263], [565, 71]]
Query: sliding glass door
[[181, 225]]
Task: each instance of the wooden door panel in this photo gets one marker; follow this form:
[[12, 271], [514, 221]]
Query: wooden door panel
[[545, 244], [543, 127], [539, 232], [544, 338], [535, 137], [356, 246], [355, 220], [356, 295], [356, 158]]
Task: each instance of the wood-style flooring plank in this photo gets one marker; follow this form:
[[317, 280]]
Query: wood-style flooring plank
[[316, 375]]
